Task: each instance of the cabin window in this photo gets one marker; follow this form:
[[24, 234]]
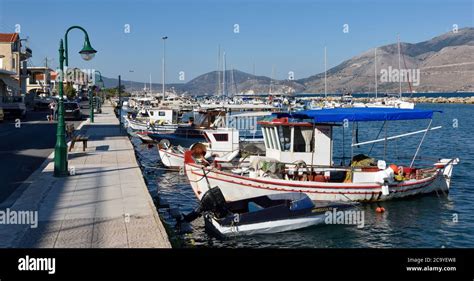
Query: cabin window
[[304, 139], [276, 143], [269, 133], [161, 113], [221, 137], [265, 137], [284, 134]]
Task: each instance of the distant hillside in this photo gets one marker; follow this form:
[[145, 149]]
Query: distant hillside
[[445, 62]]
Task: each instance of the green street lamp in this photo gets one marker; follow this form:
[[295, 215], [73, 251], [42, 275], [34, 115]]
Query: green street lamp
[[60, 150], [91, 97]]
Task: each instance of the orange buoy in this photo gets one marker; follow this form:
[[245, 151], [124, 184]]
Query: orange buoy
[[380, 209], [394, 168]]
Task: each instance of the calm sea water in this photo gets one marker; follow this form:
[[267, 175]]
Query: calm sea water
[[425, 221]]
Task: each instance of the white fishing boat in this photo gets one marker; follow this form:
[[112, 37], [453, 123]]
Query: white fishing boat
[[232, 134], [153, 120], [266, 214], [299, 159], [223, 145]]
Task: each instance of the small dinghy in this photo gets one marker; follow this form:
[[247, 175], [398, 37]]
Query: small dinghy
[[262, 215]]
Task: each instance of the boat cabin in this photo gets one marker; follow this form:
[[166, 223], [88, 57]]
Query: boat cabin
[[289, 142], [223, 139], [164, 116]]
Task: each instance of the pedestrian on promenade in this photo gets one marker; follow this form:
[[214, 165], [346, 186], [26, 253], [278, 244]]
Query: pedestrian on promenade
[[53, 109]]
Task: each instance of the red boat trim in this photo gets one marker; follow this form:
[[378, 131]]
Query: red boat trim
[[174, 154], [304, 186], [314, 191]]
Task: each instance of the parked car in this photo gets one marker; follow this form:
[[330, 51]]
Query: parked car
[[15, 109], [42, 104], [72, 111]]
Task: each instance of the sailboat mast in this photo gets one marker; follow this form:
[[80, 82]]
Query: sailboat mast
[[150, 86], [325, 74], [399, 68], [232, 81], [218, 70], [375, 67], [224, 92], [271, 79]]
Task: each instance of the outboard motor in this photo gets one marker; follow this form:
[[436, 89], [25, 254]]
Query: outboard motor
[[212, 201]]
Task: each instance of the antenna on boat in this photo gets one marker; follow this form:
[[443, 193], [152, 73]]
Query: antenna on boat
[[150, 86], [399, 67], [325, 74], [375, 67], [271, 79], [408, 74], [233, 86]]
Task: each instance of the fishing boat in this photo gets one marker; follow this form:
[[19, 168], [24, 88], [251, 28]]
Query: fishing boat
[[265, 214], [223, 146], [190, 133], [159, 119], [232, 135], [299, 158]]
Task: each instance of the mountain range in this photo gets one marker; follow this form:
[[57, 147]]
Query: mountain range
[[442, 64]]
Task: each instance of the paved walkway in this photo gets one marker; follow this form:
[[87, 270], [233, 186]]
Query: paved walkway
[[106, 204]]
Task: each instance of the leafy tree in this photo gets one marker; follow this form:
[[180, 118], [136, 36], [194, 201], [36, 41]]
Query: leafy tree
[[69, 91]]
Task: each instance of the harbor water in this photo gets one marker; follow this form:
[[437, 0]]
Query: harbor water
[[436, 220]]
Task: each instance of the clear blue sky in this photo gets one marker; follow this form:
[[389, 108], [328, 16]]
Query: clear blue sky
[[290, 35]]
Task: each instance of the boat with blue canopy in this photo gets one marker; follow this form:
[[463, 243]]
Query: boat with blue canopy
[[299, 158]]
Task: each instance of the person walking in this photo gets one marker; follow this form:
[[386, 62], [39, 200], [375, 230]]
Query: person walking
[[53, 110]]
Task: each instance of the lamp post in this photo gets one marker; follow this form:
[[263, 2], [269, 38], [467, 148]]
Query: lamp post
[[60, 150], [91, 97], [91, 104], [163, 70], [101, 81]]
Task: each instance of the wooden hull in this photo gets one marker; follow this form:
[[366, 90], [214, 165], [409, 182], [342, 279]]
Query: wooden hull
[[236, 187]]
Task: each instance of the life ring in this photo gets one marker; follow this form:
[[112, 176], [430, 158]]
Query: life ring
[[199, 150]]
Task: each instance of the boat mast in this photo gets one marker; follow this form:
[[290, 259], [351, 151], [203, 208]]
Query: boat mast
[[325, 74], [164, 66], [218, 70], [271, 79], [399, 68], [232, 81], [375, 65], [150, 86], [224, 93]]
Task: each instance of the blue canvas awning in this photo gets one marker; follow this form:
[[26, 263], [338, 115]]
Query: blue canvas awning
[[360, 114]]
